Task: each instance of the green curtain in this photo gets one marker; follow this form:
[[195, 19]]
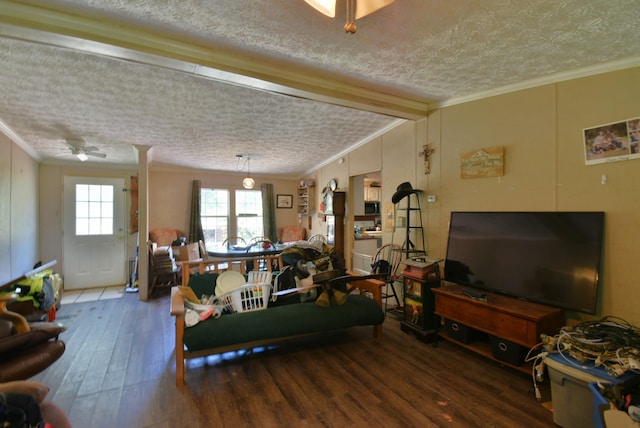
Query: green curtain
[[269, 212], [195, 222]]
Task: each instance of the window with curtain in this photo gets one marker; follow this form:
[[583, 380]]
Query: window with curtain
[[249, 214], [214, 213], [225, 213]]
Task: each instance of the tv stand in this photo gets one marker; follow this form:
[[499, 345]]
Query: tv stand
[[505, 318]]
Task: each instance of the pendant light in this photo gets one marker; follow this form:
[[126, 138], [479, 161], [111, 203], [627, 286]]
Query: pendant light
[[356, 9], [248, 182]]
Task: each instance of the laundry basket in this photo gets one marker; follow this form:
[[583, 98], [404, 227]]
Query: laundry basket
[[259, 277], [246, 298]]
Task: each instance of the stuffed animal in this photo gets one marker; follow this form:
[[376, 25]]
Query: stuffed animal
[[329, 295], [297, 284]]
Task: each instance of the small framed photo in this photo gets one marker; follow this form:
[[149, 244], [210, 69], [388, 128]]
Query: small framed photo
[[284, 201]]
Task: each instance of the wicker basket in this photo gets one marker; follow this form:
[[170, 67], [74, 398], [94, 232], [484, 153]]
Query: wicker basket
[[246, 298]]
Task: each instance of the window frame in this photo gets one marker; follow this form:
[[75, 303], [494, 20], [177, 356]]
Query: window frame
[[232, 217]]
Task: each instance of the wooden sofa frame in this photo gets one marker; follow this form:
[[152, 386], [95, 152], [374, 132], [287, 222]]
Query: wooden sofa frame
[[372, 286]]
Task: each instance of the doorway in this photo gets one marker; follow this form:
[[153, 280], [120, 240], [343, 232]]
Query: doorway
[[93, 244]]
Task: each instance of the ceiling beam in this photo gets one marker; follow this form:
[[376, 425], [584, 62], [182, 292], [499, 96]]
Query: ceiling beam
[[104, 35]]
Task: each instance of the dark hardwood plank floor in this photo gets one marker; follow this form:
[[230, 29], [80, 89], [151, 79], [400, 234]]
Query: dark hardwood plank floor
[[119, 371]]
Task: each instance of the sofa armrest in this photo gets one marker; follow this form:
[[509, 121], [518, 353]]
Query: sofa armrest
[[20, 323], [177, 310], [370, 283], [177, 302]]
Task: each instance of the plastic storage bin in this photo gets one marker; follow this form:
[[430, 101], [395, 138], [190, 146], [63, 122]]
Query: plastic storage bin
[[573, 401], [601, 404]]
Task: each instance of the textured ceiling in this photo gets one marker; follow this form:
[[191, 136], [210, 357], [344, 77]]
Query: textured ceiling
[[433, 52]]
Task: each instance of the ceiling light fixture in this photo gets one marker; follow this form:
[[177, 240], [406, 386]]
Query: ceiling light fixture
[[356, 9], [248, 182], [83, 157]]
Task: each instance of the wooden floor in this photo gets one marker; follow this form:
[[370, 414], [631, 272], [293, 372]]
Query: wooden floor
[[119, 371]]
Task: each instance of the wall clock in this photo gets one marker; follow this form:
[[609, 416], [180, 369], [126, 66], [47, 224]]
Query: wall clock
[[333, 184]]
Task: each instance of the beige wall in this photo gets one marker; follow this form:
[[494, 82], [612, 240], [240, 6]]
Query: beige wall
[[170, 195], [169, 199], [541, 132], [50, 210], [540, 129], [18, 211]]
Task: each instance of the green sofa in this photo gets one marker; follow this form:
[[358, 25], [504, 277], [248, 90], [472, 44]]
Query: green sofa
[[272, 325]]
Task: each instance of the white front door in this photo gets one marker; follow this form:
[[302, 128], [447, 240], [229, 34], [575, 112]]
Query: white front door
[[94, 242]]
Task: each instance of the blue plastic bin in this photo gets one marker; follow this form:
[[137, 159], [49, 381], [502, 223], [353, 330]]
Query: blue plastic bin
[[600, 404], [573, 400]]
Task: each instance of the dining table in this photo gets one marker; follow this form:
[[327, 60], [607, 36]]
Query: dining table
[[239, 251]]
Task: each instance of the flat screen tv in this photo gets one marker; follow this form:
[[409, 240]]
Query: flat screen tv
[[545, 257]]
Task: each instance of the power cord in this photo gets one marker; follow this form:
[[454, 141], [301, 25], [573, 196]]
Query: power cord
[[537, 369], [537, 373]]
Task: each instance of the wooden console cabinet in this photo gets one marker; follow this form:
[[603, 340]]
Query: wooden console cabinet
[[503, 317]]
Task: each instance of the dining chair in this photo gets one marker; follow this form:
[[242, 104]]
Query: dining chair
[[162, 267], [259, 239], [387, 261], [234, 240], [258, 247], [318, 237]]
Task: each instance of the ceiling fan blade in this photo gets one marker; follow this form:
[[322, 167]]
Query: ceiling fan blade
[[96, 154], [74, 143], [90, 149]]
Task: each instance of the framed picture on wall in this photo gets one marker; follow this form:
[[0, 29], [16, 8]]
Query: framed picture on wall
[[284, 201], [612, 142]]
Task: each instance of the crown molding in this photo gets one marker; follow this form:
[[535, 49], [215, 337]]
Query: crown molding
[[541, 81]]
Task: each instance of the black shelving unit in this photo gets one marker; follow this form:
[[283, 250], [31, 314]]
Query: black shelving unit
[[407, 238], [407, 226]]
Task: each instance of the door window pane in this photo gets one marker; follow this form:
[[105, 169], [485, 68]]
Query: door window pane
[[94, 209]]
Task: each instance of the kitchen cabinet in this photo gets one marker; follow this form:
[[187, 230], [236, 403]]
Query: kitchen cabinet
[[334, 209], [361, 263], [368, 246], [373, 193]]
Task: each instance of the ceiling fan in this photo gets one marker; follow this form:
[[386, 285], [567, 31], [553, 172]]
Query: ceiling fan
[[83, 152]]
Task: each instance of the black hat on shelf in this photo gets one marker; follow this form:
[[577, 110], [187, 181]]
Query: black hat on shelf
[[404, 189]]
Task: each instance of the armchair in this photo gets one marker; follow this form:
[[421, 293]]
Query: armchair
[[26, 349], [165, 236], [292, 233]]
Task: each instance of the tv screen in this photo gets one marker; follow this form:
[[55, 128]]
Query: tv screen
[[545, 257]]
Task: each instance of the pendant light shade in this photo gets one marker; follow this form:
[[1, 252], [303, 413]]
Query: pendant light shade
[[367, 7], [248, 182], [356, 9], [326, 7]]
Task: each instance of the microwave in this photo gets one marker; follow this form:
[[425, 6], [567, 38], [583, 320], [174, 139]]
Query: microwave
[[371, 207]]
